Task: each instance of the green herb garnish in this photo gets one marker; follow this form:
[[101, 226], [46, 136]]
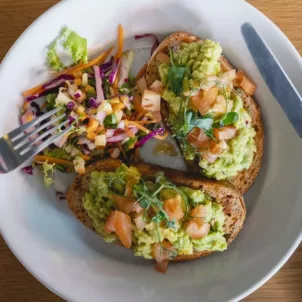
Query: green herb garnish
[[175, 76]]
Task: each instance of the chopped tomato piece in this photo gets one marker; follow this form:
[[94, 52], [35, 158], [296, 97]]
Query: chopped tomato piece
[[123, 203], [248, 86], [198, 214], [214, 151], [225, 133], [161, 251], [196, 231], [224, 64], [198, 139], [205, 99], [243, 81], [109, 225], [139, 221], [162, 266], [122, 225], [217, 148], [173, 208]]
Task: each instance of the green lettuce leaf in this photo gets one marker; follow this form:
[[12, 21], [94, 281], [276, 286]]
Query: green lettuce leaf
[[72, 42]]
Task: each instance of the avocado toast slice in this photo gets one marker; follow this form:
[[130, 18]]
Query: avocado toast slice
[[171, 226], [239, 158]]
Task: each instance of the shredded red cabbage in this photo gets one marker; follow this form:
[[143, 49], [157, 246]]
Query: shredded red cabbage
[[71, 119], [113, 73], [149, 136], [155, 44], [92, 103], [36, 96], [60, 196], [78, 94], [58, 81], [98, 84], [70, 105], [28, 170], [55, 83], [106, 67]]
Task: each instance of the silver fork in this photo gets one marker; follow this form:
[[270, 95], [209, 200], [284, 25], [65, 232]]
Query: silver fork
[[16, 147]]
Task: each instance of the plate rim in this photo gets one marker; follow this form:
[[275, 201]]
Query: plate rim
[[68, 297]]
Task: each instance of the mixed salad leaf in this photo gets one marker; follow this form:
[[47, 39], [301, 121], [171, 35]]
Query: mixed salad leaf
[[97, 97]]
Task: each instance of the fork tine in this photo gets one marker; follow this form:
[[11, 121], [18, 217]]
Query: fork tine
[[20, 141], [36, 150], [30, 143], [13, 135]]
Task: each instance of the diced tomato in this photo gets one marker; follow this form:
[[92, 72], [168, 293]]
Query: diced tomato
[[217, 148], [198, 214], [198, 139], [225, 133], [173, 208], [161, 251], [139, 221], [243, 81], [124, 203], [162, 266], [224, 64], [122, 225], [197, 231], [109, 225], [248, 86], [205, 99], [214, 151]]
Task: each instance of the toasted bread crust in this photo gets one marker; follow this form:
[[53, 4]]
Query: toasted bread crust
[[244, 179], [230, 199]]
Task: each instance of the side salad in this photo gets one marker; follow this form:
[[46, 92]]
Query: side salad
[[112, 113]]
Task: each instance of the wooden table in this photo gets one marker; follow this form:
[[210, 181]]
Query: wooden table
[[16, 284]]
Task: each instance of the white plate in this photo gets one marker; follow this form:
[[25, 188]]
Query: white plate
[[74, 262]]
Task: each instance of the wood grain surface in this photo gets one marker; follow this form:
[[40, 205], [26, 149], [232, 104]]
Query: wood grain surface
[[16, 284]]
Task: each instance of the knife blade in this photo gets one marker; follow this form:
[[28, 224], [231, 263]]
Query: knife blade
[[275, 77]]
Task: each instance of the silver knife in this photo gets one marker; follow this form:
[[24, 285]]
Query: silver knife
[[274, 76]]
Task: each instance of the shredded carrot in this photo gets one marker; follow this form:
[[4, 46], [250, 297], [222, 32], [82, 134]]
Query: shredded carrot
[[130, 133], [34, 90], [146, 122], [53, 160], [141, 114], [163, 136], [141, 72], [99, 60], [86, 157], [139, 126], [114, 86], [120, 41]]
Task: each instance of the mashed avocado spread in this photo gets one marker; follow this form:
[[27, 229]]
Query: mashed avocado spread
[[151, 195], [203, 72]]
